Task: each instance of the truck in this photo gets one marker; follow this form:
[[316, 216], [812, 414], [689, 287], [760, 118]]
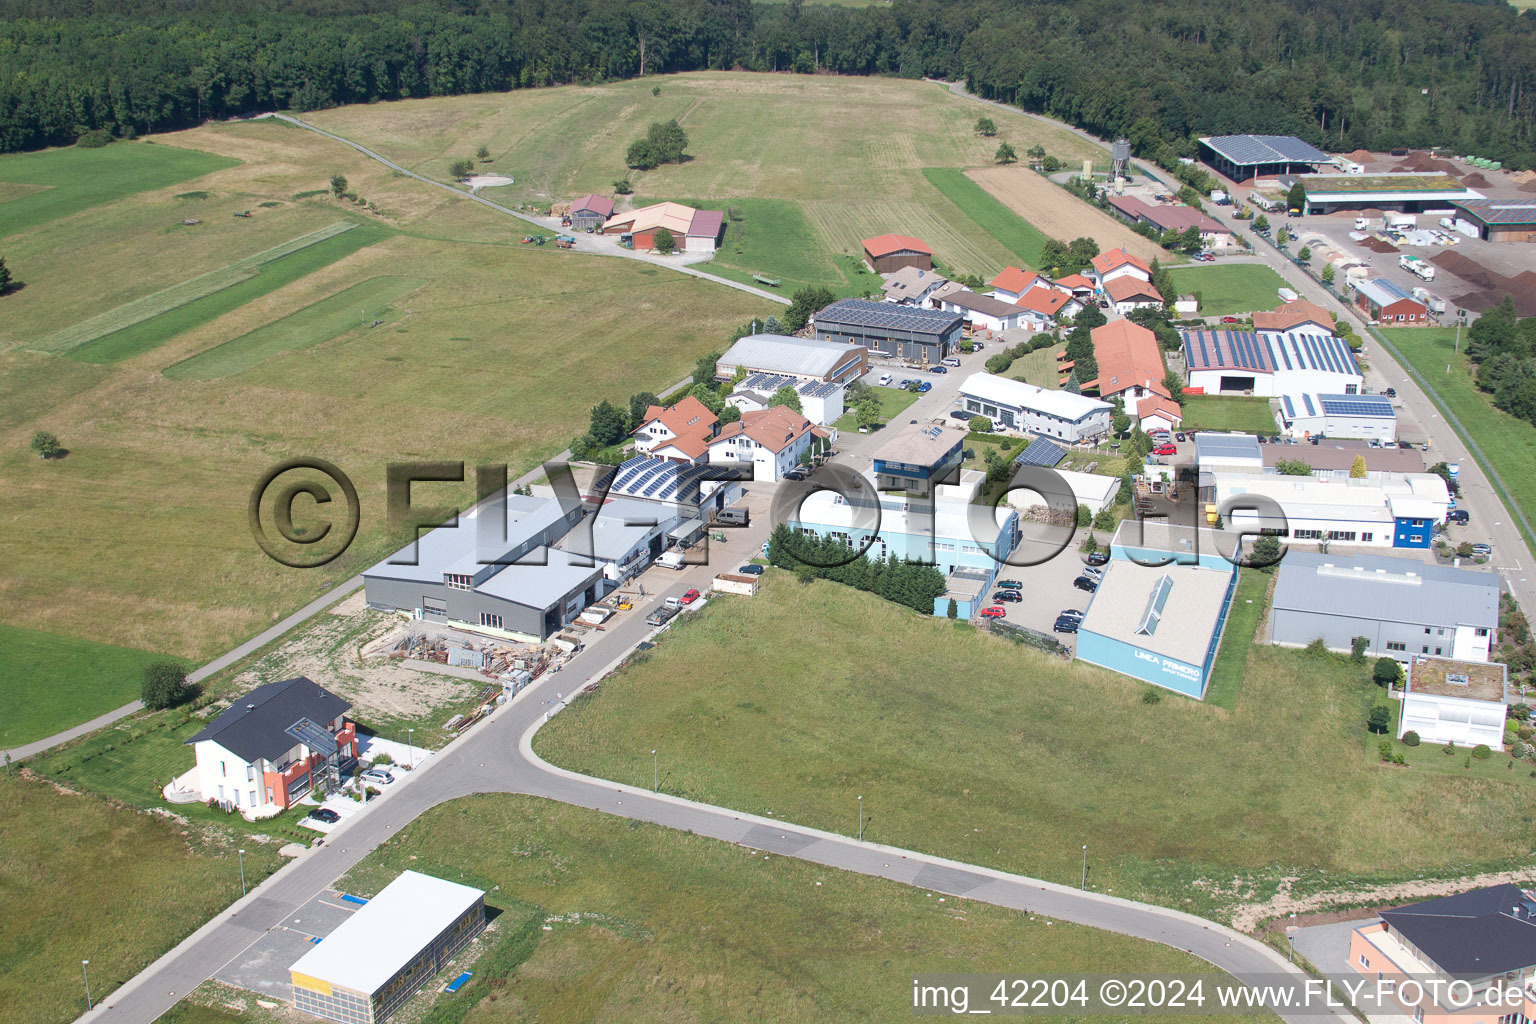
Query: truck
[[671, 560], [1432, 302], [1219, 197], [661, 616], [1402, 221], [1362, 223], [732, 517], [1287, 295], [1417, 266]]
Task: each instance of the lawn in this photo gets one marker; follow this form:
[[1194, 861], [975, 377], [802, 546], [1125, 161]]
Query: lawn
[[1038, 368], [605, 919], [76, 179], [84, 880], [1436, 759], [969, 747], [1249, 603], [1230, 287], [1507, 442], [1228, 412], [54, 682], [893, 402], [1019, 236]]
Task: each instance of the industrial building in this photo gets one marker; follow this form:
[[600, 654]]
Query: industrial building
[[900, 332], [1088, 489], [1402, 192], [625, 535], [690, 490], [1386, 302], [1402, 606], [1015, 405], [1461, 702], [1159, 612], [1241, 157], [888, 253], [1499, 220], [384, 953], [806, 359], [1358, 417], [917, 456], [1385, 510], [494, 572], [1288, 352], [692, 230]]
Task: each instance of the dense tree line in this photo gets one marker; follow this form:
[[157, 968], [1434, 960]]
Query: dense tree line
[[1504, 347], [905, 582], [1459, 73]]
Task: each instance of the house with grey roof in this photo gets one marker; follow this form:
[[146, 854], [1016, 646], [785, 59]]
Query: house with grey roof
[[1403, 607], [269, 748], [494, 571], [806, 359], [910, 286]]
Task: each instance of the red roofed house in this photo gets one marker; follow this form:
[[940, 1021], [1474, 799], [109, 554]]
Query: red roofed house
[[1130, 363], [1177, 217], [771, 440], [1077, 284], [680, 432], [1117, 263], [1044, 306], [1156, 412], [1127, 292], [1013, 282], [590, 212], [889, 253], [1294, 314]]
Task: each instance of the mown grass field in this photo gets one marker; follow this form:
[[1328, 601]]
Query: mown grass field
[[965, 745], [1228, 412], [892, 403], [84, 880], [54, 682], [652, 925], [1508, 442], [1019, 236], [1250, 605], [1230, 287]]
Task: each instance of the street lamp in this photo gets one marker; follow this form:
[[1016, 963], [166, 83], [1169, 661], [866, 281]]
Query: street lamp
[[87, 976], [655, 773], [1290, 936], [861, 818], [410, 736], [242, 872], [1084, 885]]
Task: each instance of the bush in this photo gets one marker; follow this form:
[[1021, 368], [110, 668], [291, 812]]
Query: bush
[[1518, 750], [383, 759], [1449, 750], [1385, 749], [1357, 649], [94, 139], [981, 424], [1379, 719], [1481, 752], [1317, 647], [1410, 738], [164, 686], [1386, 671], [1152, 697], [1525, 732]]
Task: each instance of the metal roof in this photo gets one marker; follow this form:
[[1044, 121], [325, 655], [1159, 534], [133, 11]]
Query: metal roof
[[1509, 212], [619, 526], [1266, 149], [1227, 350], [1472, 934], [388, 932], [1389, 589], [1210, 445], [650, 479], [780, 353], [819, 389], [1040, 452], [257, 725], [457, 549], [1019, 395], [1383, 292], [1355, 405], [542, 586], [888, 316], [1307, 348]]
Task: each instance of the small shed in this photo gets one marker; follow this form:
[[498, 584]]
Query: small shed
[[590, 211]]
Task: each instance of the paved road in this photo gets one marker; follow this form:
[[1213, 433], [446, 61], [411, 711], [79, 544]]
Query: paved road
[[591, 245]]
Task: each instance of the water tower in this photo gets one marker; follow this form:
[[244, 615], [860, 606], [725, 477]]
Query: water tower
[[1120, 156]]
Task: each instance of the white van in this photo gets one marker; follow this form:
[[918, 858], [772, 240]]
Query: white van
[[952, 361], [885, 379], [671, 560]]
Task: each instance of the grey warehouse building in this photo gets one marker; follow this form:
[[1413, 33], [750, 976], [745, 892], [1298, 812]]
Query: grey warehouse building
[[1402, 607], [454, 574], [903, 332]]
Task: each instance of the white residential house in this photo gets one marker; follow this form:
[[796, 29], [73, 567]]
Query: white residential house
[[679, 432], [771, 441]]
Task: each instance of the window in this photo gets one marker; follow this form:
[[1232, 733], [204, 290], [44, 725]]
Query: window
[[1394, 645], [253, 798], [1437, 651], [1364, 960], [1366, 538], [1426, 630], [1424, 649], [457, 581], [1482, 632], [1416, 538], [250, 774], [236, 794], [493, 621], [223, 770], [269, 794]]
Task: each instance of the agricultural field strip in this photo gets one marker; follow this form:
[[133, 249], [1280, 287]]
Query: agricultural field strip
[[842, 227], [139, 310]]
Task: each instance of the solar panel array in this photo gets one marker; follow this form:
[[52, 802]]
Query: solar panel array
[[1040, 453], [766, 382], [887, 315], [1356, 405], [1227, 350], [1154, 613], [659, 480], [1266, 149], [819, 389]]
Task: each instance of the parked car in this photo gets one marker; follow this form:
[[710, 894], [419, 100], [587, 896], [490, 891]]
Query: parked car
[[952, 361], [1263, 439], [750, 569], [906, 382], [1180, 436], [378, 777], [1093, 573], [1459, 516], [324, 814], [1007, 596], [661, 616], [690, 595], [961, 414], [1230, 320], [1165, 449], [1098, 557], [1160, 435], [938, 369], [1391, 392], [997, 611], [924, 388], [1482, 550], [673, 602], [798, 473], [1087, 583], [1070, 613], [885, 378], [1066, 624], [1009, 585]]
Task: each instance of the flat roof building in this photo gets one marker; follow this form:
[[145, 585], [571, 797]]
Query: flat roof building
[[1358, 417], [1402, 606], [1015, 405], [917, 456], [900, 332], [1449, 701], [1383, 510], [385, 952], [1405, 192], [1241, 157]]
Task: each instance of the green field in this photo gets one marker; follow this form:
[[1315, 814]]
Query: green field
[[1228, 412], [646, 924], [84, 880], [1509, 443], [54, 682], [970, 747], [893, 402], [76, 179], [1226, 288], [326, 319], [1250, 602], [1019, 236]]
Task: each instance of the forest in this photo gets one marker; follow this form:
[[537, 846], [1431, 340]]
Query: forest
[[1344, 75]]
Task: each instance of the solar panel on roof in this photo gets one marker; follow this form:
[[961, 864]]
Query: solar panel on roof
[[1290, 410], [1307, 401], [1355, 405], [1040, 453]]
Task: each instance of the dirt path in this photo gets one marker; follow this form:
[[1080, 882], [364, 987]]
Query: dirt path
[[1283, 904], [1060, 214]]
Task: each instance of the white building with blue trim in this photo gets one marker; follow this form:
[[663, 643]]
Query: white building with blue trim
[[1359, 417]]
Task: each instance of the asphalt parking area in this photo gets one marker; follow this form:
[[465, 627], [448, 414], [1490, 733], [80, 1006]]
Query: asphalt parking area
[[1048, 588], [263, 968]]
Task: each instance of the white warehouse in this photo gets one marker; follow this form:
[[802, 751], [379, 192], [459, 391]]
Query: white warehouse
[[1015, 405], [1292, 350], [1360, 417], [1385, 510]]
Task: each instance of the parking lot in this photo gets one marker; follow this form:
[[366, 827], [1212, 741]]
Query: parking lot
[[263, 968]]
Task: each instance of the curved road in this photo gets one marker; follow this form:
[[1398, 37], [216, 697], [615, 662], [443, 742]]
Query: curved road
[[591, 245]]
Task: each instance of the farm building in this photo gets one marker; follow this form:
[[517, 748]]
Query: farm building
[[911, 286], [1172, 217], [1453, 701], [983, 312], [590, 212], [1360, 417], [271, 747], [1241, 157], [1128, 294], [886, 254], [385, 952], [1271, 360], [821, 401], [679, 432], [1404, 192], [1015, 405], [805, 359], [917, 456], [1500, 220], [1159, 612], [901, 332], [1130, 363], [1384, 301], [692, 230], [1383, 510], [1402, 606], [501, 578], [769, 441]]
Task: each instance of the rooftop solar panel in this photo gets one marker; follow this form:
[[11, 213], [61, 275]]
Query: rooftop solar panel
[[1040, 453], [1356, 405], [888, 315], [1290, 410], [1266, 149], [1307, 401]]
